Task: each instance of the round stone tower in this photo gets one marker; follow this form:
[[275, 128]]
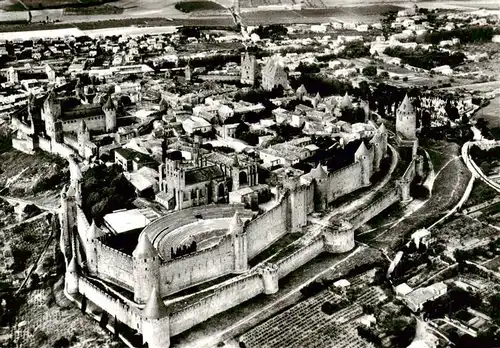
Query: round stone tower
[[155, 322], [320, 175], [71, 277], [110, 115], [146, 269], [270, 278], [362, 156], [406, 120], [92, 234], [339, 239], [240, 246]]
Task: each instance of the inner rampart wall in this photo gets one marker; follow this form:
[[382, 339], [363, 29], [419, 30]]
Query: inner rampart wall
[[210, 263], [44, 144], [224, 298], [344, 181], [268, 227], [114, 266]]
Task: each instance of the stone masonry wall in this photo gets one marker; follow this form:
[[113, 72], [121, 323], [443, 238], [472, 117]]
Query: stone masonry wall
[[344, 181], [267, 228], [110, 304], [223, 299], [366, 214], [298, 201], [114, 266], [299, 257], [196, 268]]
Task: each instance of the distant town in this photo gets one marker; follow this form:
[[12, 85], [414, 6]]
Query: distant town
[[276, 185]]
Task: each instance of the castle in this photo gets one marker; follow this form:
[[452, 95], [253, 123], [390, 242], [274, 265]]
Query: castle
[[49, 125], [227, 236], [149, 272]]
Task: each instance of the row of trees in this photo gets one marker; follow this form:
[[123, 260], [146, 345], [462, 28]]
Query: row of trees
[[466, 35], [425, 59]]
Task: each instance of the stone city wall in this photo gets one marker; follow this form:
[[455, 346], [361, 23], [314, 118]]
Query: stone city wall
[[114, 266], [23, 127], [192, 269], [300, 257], [344, 181], [222, 299], [268, 227], [409, 173], [44, 144], [92, 123], [375, 208], [24, 145], [110, 304]]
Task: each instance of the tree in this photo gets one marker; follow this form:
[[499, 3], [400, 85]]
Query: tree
[[370, 70], [355, 49], [61, 342]]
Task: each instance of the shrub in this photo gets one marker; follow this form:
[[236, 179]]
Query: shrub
[[370, 70]]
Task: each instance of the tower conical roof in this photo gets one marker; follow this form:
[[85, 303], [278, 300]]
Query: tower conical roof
[[319, 172], [236, 162], [83, 126], [362, 150], [406, 105], [318, 96], [94, 231], [73, 266], [155, 308], [50, 97], [108, 105], [382, 129], [302, 89], [144, 248], [346, 101], [236, 223]]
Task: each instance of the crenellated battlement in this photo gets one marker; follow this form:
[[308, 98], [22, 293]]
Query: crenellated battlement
[[106, 248], [229, 256], [224, 241]]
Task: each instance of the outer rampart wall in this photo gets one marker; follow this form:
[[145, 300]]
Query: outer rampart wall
[[62, 150], [114, 266], [108, 303], [44, 144], [23, 127], [82, 223], [300, 257], [193, 269], [410, 172], [344, 181], [375, 208], [223, 299], [24, 145], [267, 228]]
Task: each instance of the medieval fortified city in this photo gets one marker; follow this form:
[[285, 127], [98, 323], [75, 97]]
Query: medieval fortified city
[[250, 173]]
